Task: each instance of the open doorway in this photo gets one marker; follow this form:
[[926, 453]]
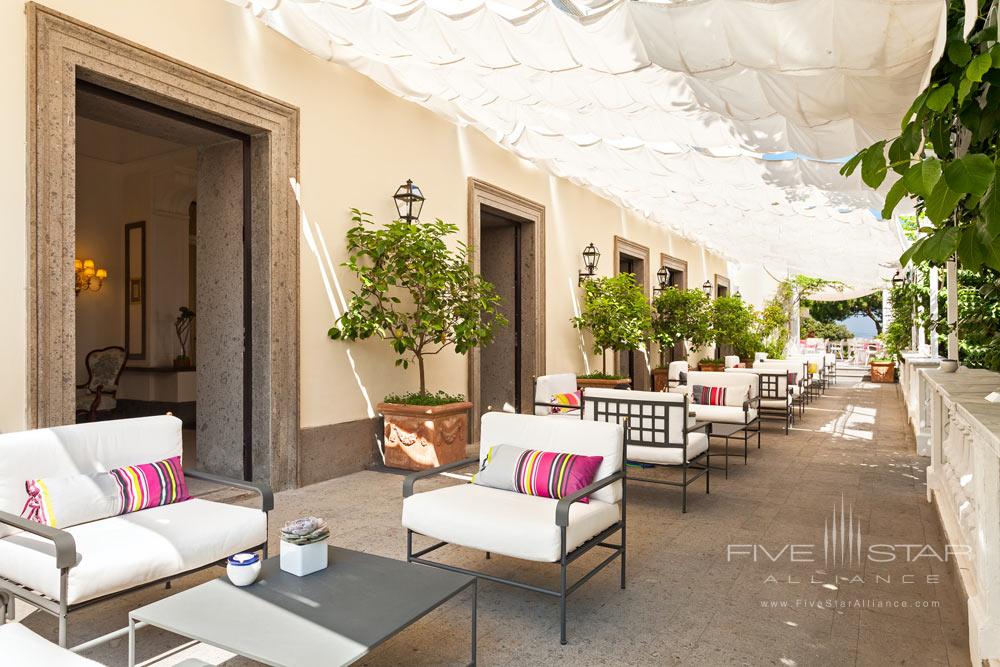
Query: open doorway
[[506, 233], [722, 286], [634, 259], [163, 307]]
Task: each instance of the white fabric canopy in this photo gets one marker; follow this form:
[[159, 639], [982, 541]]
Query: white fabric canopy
[[724, 120]]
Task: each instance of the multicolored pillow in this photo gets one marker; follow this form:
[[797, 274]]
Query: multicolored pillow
[[61, 502], [536, 473], [570, 402], [704, 395], [792, 378]]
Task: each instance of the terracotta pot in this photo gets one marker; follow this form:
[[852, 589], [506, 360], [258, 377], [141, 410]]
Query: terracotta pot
[[418, 437], [660, 379], [623, 383], [712, 368], [883, 371]]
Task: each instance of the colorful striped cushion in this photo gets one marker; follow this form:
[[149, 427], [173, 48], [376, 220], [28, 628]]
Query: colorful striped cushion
[[570, 400], [704, 395], [61, 502], [536, 473]]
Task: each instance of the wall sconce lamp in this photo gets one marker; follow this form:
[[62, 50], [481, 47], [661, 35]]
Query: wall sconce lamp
[[706, 287], [88, 276], [590, 256], [409, 200], [898, 280], [738, 295], [662, 279]]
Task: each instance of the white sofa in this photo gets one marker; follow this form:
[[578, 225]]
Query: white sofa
[[21, 646], [522, 526], [800, 388], [740, 408], [548, 385], [659, 431], [60, 570]]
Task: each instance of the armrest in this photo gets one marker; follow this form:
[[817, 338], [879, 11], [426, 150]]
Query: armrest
[[413, 478], [63, 541], [707, 426], [562, 507], [266, 495]]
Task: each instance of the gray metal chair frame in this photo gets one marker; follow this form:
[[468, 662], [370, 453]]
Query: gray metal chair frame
[[65, 550], [769, 388], [632, 414]]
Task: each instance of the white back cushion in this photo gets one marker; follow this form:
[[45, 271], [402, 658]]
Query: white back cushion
[[732, 361], [774, 385], [81, 448], [646, 422], [547, 385], [788, 365], [572, 436], [675, 369], [739, 386]]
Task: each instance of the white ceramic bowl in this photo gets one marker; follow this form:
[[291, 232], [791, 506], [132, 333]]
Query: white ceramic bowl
[[948, 365], [243, 569]]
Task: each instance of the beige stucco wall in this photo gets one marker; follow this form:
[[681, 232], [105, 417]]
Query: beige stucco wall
[[358, 143]]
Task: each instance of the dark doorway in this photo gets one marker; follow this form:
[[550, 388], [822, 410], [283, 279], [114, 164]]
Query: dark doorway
[[503, 263], [171, 169], [634, 259], [679, 279]]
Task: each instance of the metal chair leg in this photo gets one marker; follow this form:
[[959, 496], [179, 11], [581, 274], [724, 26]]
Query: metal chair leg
[[562, 588]]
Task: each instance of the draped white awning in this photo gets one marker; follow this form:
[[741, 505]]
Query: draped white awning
[[724, 120]]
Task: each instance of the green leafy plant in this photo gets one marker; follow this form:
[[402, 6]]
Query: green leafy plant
[[415, 292], [417, 398], [680, 315], [735, 324], [946, 153], [616, 314], [897, 336], [828, 330], [600, 375], [833, 311], [709, 361]]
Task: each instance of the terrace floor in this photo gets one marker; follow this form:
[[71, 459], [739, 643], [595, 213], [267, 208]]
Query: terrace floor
[[686, 602]]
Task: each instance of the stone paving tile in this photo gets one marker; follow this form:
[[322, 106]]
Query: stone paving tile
[[690, 600]]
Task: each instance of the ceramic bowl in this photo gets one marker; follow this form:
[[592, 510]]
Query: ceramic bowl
[[243, 569], [948, 365]]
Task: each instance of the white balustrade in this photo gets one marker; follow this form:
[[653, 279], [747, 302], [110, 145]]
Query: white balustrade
[[963, 481], [917, 398]]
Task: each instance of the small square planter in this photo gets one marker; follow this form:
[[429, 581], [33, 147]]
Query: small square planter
[[418, 437], [883, 371], [303, 559], [712, 368]]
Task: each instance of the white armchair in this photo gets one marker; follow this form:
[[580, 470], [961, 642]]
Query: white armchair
[[674, 371], [731, 360], [741, 403], [658, 431], [548, 385], [775, 393], [522, 526]]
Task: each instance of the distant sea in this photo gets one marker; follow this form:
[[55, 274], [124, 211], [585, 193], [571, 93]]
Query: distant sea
[[860, 326]]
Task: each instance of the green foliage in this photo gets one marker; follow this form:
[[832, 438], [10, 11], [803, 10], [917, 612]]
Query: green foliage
[[616, 313], [709, 361], [680, 315], [958, 191], [828, 330], [897, 336], [417, 398], [600, 375], [833, 311], [734, 324], [979, 319], [415, 292]]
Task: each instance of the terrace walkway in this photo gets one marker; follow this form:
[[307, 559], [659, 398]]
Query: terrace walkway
[[686, 603]]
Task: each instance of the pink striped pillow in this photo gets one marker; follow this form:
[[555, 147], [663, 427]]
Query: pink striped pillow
[[705, 395], [537, 473]]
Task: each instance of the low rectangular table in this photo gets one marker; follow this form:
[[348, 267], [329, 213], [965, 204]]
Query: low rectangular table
[[331, 617], [726, 431]]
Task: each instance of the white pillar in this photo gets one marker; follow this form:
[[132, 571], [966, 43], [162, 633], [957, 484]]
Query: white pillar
[[886, 309], [934, 310], [952, 278], [921, 333], [795, 335]]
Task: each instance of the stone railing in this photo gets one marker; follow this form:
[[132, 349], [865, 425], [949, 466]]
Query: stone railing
[[917, 397], [963, 482]]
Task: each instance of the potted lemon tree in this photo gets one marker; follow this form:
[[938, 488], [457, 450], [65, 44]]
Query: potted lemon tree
[[422, 297], [616, 314], [679, 315]]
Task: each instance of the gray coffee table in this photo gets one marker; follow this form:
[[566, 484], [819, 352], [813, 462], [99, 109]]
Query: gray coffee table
[[331, 617]]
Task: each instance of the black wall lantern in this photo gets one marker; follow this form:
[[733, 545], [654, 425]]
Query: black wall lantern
[[409, 200], [590, 257], [707, 288], [898, 280], [663, 279], [738, 295]]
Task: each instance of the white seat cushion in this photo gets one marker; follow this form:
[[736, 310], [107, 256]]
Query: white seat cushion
[[775, 403], [124, 551], [503, 522], [723, 413], [671, 456], [21, 646]]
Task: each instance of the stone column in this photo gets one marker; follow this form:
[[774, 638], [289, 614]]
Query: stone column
[[952, 280], [934, 310]]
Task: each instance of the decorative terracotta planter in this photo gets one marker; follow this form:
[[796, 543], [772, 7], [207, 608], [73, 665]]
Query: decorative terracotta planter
[[712, 368], [883, 371], [623, 383], [660, 376], [418, 437]]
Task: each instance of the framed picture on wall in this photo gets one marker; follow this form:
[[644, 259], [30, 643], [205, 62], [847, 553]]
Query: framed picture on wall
[[135, 306]]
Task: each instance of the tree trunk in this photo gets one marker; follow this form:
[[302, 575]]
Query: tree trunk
[[871, 316], [420, 367], [604, 360]]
